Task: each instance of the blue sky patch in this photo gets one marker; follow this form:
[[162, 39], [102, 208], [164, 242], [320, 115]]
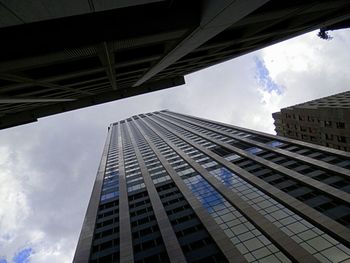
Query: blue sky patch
[[22, 256], [264, 79]]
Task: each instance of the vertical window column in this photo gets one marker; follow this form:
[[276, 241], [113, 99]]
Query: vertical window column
[[82, 253], [126, 248], [170, 240]]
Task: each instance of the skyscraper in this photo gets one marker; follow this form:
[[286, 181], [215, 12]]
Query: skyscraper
[[324, 121], [177, 188]]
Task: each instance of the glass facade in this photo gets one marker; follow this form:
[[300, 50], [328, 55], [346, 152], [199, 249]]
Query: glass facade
[[217, 193]]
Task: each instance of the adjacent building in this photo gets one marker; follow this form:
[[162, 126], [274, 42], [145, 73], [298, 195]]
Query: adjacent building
[[324, 121], [58, 56], [176, 188]]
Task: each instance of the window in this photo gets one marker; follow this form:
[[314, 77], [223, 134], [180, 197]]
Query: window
[[310, 118], [222, 151], [329, 136], [341, 138], [254, 150], [108, 196], [312, 130], [340, 125], [275, 143], [327, 123]]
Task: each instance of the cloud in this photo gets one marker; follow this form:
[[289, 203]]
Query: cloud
[[36, 191], [263, 78], [14, 204], [47, 169], [309, 67]]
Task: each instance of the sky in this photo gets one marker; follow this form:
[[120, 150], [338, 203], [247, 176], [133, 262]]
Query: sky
[[47, 168]]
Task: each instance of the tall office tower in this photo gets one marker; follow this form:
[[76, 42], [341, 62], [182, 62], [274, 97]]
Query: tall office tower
[[324, 121], [176, 188]]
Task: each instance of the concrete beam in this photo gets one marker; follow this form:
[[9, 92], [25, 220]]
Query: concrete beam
[[216, 17], [28, 116], [107, 59], [30, 100]]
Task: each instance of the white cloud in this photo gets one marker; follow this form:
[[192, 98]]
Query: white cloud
[[28, 214], [309, 67], [15, 208]]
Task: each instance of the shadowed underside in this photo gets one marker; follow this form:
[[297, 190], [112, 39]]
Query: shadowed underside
[[58, 56]]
